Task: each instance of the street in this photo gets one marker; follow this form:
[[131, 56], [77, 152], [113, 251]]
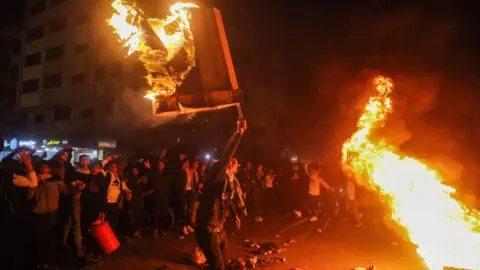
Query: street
[[340, 246]]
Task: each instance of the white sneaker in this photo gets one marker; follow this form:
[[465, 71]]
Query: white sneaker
[[185, 231], [298, 214], [190, 229], [258, 219], [313, 219]]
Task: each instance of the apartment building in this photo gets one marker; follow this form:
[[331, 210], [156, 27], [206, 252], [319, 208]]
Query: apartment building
[[73, 67], [10, 47], [10, 50]]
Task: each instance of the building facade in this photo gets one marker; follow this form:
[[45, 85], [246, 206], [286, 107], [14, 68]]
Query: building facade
[[10, 56], [73, 68]]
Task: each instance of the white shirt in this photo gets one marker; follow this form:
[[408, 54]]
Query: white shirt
[[114, 188], [315, 184]]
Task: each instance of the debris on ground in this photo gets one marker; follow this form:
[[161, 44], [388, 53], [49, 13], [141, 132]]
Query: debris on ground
[[289, 243], [198, 257], [252, 245], [363, 268], [263, 253], [237, 264], [270, 260], [251, 262], [268, 249]]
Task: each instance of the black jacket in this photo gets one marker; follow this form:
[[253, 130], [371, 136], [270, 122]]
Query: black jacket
[[213, 210], [94, 196], [159, 182]]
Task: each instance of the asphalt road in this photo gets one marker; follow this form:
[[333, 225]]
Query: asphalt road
[[340, 246]]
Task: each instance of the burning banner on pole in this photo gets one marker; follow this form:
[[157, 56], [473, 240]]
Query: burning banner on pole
[[186, 56], [445, 232]]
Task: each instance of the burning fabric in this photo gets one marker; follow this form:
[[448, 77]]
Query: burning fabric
[[443, 229], [169, 48], [165, 45]]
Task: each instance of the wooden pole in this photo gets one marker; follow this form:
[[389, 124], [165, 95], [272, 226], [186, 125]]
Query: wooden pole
[[240, 112]]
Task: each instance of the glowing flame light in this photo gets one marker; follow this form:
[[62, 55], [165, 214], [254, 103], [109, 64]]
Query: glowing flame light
[[130, 24], [443, 229]]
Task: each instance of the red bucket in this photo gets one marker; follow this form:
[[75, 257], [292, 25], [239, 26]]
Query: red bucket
[[106, 238]]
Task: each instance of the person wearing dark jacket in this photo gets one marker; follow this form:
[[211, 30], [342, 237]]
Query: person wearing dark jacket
[[70, 208], [135, 206], [159, 183], [222, 194], [94, 201], [297, 185], [16, 229]]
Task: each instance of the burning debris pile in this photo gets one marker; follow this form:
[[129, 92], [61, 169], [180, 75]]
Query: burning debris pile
[[165, 45], [363, 268], [445, 232], [262, 255]]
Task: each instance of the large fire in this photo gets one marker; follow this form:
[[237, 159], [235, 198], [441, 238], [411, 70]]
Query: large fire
[[443, 229], [138, 33]]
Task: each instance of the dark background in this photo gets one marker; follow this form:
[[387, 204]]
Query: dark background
[[307, 65]]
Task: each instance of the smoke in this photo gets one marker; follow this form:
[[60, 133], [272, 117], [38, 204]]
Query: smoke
[[133, 111], [423, 124], [416, 46]]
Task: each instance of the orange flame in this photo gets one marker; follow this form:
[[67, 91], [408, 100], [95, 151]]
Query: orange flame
[[443, 229], [174, 33]]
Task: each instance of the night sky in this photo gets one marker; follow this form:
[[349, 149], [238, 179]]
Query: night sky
[[305, 65]]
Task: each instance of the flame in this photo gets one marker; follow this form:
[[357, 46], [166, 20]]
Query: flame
[[443, 229], [132, 27]]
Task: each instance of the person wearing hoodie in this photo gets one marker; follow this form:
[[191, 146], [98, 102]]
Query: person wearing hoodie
[[45, 196], [93, 203]]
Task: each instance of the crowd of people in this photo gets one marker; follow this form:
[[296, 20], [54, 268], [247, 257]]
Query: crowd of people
[[51, 204]]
